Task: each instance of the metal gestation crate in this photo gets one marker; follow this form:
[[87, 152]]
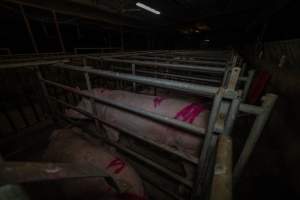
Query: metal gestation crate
[[227, 97]]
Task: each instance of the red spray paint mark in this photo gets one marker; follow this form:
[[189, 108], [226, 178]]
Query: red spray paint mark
[[157, 101], [117, 164], [190, 112]]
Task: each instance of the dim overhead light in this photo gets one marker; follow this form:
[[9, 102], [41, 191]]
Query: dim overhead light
[[141, 5]]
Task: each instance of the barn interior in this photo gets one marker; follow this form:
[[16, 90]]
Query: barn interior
[[140, 99]]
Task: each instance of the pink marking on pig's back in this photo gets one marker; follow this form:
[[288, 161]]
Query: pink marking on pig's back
[[190, 112], [117, 164], [157, 101]]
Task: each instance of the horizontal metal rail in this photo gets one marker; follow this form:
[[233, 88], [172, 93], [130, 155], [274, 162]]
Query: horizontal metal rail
[[207, 69], [171, 75], [205, 62], [154, 116], [199, 58], [155, 166], [31, 63], [22, 172], [251, 109], [200, 90]]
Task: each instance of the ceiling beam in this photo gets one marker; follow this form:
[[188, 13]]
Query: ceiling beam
[[73, 9]]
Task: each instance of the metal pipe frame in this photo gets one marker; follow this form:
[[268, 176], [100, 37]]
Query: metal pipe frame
[[203, 90], [255, 132], [210, 140], [153, 116], [165, 148], [143, 159], [102, 49], [170, 75], [30, 64], [178, 60], [207, 69]]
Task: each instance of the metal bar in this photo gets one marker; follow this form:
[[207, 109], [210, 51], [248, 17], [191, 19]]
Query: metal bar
[[207, 69], [209, 91], [10, 121], [58, 32], [222, 180], [248, 83], [162, 189], [45, 92], [173, 75], [251, 109], [23, 115], [205, 62], [256, 130], [156, 117], [92, 101], [30, 64], [197, 58], [133, 73], [166, 148], [153, 165], [22, 172], [207, 146], [27, 97], [234, 109], [29, 29]]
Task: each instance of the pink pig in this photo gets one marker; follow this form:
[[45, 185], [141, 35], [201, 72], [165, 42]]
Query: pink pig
[[68, 145], [189, 111]]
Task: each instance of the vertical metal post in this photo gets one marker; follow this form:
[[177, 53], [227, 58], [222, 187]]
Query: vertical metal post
[[222, 179], [34, 45], [45, 92], [92, 101], [133, 73], [233, 111], [248, 84], [256, 130], [208, 147], [122, 37], [58, 32]]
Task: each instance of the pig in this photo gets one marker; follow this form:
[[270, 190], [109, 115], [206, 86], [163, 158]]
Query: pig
[[187, 110], [68, 145]]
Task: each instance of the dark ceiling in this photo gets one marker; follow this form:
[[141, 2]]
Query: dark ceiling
[[175, 14], [227, 20]]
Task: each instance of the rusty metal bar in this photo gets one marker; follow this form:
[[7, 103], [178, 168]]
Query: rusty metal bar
[[222, 179]]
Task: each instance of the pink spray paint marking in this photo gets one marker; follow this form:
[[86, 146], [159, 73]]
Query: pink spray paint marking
[[157, 101], [117, 164], [190, 112]]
